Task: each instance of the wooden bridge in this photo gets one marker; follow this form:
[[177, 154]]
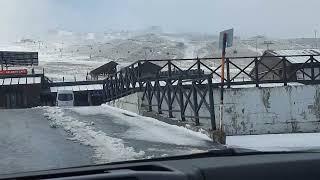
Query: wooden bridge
[[190, 82], [187, 83]]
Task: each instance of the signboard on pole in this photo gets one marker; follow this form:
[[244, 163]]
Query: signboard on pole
[[14, 72], [12, 58], [225, 40], [229, 34]]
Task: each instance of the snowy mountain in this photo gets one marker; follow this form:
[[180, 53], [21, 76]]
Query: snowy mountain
[[71, 55]]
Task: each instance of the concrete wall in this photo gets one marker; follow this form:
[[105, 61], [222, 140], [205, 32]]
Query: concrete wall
[[271, 110], [254, 110], [131, 103]]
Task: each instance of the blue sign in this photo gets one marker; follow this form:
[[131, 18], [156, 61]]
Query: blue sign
[[229, 34]]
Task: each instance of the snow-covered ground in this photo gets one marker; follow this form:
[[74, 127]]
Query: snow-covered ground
[[52, 137], [276, 142], [147, 129], [119, 135], [106, 148]]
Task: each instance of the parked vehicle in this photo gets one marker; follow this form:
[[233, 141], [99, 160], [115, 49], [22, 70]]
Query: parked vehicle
[[65, 98]]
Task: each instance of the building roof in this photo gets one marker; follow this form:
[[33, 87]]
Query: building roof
[[147, 64], [107, 68], [299, 59], [77, 88]]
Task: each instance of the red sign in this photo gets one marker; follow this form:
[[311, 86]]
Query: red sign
[[14, 72]]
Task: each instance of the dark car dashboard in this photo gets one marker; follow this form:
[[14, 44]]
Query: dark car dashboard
[[196, 167]]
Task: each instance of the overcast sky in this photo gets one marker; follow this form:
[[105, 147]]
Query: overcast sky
[[274, 18]]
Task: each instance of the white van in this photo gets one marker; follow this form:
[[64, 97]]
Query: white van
[[65, 98]]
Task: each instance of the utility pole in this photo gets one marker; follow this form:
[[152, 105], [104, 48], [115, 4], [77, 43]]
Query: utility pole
[[257, 44], [268, 43], [60, 52], [315, 39], [145, 55], [61, 49], [145, 52], [91, 47], [39, 43]]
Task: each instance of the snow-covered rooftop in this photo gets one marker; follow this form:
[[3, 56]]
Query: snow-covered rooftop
[[78, 88], [298, 59], [20, 80]]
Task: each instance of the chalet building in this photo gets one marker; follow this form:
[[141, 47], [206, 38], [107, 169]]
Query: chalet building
[[297, 67], [148, 69], [104, 70]]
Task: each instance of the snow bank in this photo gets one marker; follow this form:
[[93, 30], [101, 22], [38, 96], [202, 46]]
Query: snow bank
[[106, 148], [148, 129], [276, 142]]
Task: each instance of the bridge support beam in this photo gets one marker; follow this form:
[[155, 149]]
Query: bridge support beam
[[195, 103]]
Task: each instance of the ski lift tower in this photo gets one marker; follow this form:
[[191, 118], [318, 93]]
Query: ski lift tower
[[268, 43]]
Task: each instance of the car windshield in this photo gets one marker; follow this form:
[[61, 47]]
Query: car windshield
[[65, 97], [155, 79]]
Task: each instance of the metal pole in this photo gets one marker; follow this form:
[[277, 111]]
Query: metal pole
[[222, 80]]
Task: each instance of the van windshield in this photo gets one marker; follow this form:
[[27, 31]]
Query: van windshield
[[65, 97]]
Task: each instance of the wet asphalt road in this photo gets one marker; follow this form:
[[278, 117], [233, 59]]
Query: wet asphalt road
[[28, 143]]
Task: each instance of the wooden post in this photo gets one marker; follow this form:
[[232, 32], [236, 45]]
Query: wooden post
[[312, 69], [284, 68], [228, 73], [139, 75], [157, 86], [169, 90], [182, 110], [149, 85], [256, 70], [211, 103], [198, 67], [195, 101]]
